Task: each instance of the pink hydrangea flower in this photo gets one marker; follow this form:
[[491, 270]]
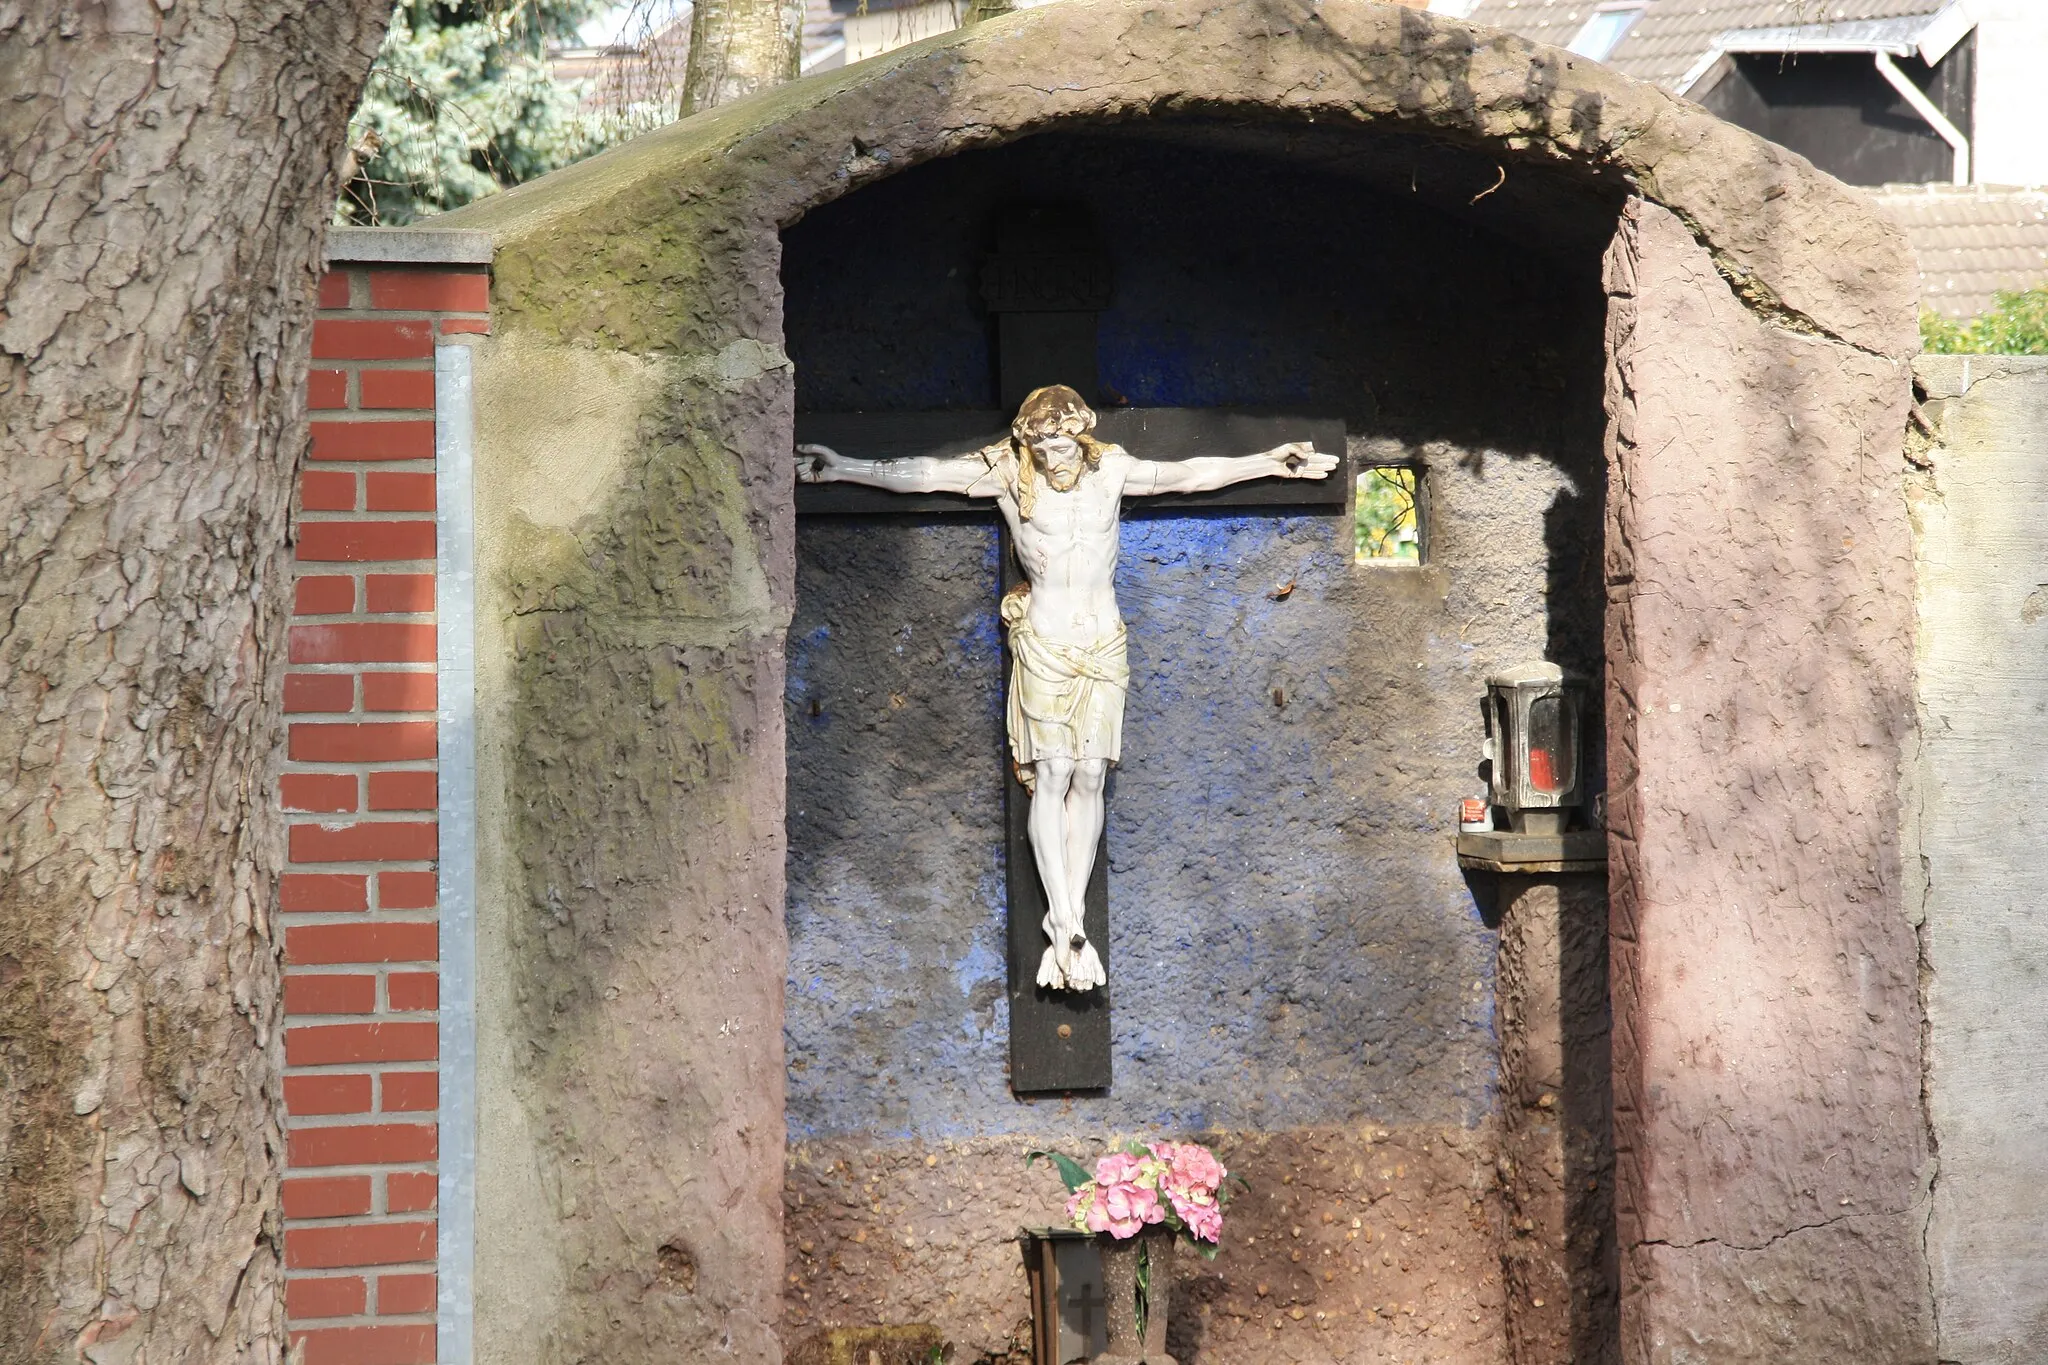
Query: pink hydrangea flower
[[1190, 1178], [1123, 1198], [1203, 1220], [1124, 1210], [1178, 1183], [1189, 1165]]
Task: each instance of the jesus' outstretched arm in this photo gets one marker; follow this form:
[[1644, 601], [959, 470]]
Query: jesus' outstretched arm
[[1295, 460], [973, 475]]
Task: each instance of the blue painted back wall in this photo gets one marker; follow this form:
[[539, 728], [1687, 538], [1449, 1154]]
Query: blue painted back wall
[[1291, 943]]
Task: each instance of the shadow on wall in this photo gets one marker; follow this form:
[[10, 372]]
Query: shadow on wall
[[1298, 946]]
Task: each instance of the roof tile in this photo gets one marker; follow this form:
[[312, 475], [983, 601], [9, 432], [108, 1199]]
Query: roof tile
[[1972, 241]]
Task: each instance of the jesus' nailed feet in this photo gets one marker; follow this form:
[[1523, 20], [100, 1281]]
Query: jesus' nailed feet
[[1061, 491]]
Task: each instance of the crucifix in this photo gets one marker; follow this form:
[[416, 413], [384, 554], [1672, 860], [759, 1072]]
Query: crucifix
[[1058, 477]]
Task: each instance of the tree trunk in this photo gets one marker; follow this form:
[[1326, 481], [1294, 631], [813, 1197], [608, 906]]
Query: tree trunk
[[740, 46], [168, 171], [974, 11]]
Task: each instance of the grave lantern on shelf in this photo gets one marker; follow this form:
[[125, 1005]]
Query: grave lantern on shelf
[[1534, 745], [1064, 1269], [1535, 752]]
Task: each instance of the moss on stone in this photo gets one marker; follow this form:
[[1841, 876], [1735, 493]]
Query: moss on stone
[[914, 1344]]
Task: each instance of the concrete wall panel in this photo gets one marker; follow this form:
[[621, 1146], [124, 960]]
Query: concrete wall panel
[[2012, 42], [632, 604], [1978, 794]]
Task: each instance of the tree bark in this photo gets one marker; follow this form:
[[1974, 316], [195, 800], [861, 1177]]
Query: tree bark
[[738, 47], [169, 168]]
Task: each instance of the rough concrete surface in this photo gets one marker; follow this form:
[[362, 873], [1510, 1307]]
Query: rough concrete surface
[[1354, 1244], [1771, 1146], [1977, 790], [631, 655], [629, 691], [1291, 941], [1558, 1255], [1298, 945]]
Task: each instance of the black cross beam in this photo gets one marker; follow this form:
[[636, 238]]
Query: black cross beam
[[1044, 287]]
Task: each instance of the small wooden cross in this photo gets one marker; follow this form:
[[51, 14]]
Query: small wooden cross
[[1045, 291]]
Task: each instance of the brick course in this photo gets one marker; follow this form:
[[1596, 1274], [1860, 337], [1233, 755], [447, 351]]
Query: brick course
[[405, 890], [305, 692], [409, 1344], [362, 941], [397, 389], [398, 692], [313, 892], [309, 1095], [335, 1196], [366, 1144], [356, 941], [329, 993], [367, 642], [335, 339], [361, 541], [356, 742], [319, 791], [329, 1296], [380, 441]]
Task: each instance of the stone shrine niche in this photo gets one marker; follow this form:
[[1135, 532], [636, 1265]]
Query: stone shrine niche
[[1295, 958], [639, 874]]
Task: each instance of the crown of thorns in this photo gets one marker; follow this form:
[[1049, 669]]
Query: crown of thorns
[[1053, 410]]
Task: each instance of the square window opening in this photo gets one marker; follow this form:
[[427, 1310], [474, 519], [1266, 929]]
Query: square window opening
[[1605, 29], [1388, 526]]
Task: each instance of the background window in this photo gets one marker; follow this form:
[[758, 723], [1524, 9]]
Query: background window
[[1389, 526], [1605, 30]]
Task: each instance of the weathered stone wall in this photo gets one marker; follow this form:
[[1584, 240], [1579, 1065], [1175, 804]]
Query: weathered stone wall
[[637, 581], [1976, 792], [1771, 1148], [632, 599]]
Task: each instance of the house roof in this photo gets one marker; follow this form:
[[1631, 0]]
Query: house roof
[[1971, 241], [1673, 36]]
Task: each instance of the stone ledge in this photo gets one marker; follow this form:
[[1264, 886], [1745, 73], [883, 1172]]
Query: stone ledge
[[407, 246], [1580, 850], [1951, 376]]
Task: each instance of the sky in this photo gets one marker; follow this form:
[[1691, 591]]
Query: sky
[[628, 18]]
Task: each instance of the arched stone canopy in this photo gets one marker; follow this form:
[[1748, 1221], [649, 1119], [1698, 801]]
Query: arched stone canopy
[[1797, 243], [635, 584]]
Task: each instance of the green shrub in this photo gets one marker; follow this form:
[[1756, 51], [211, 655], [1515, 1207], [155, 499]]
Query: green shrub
[[2018, 325], [461, 103]]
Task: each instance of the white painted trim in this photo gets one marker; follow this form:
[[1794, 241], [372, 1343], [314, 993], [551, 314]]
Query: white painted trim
[[1926, 108], [455, 617], [1931, 41], [1950, 27], [1700, 70]]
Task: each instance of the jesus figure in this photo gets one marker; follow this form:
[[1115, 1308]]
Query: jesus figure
[[1060, 490]]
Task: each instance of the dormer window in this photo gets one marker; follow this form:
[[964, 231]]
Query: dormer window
[[1605, 28]]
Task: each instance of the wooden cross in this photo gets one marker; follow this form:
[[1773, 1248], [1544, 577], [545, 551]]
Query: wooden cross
[[1045, 286]]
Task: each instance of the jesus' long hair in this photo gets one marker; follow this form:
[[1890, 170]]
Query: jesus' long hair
[[1054, 410]]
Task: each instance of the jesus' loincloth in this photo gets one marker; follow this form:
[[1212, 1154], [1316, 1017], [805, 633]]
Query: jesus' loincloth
[[1066, 700]]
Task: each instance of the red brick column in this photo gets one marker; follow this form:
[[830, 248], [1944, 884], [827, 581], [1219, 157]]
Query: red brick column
[[359, 792]]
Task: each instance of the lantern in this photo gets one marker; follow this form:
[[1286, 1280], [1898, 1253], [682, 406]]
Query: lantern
[[1064, 1268], [1533, 745]]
